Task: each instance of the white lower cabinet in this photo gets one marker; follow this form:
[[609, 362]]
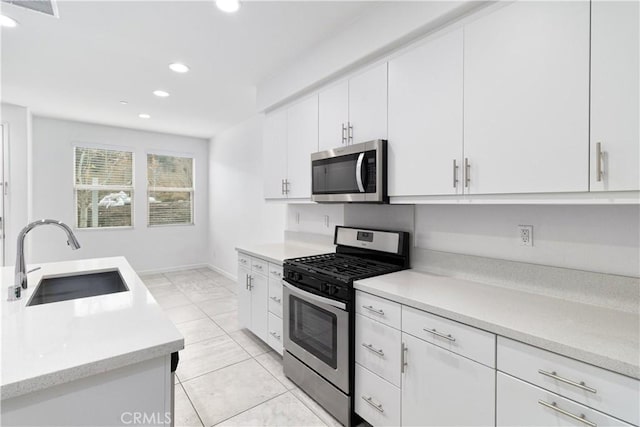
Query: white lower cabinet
[[255, 306], [376, 400], [441, 388], [275, 333], [377, 348], [523, 404]]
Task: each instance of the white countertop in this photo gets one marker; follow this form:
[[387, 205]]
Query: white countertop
[[599, 336], [49, 344], [278, 252]]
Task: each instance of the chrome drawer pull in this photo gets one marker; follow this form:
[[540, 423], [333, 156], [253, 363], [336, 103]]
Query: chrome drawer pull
[[376, 406], [244, 261], [276, 273], [275, 335], [375, 310], [276, 299], [403, 357], [581, 417], [372, 348], [440, 334], [257, 266], [555, 376]]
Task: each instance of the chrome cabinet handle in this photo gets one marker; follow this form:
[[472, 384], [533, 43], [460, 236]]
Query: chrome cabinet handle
[[440, 334], [243, 261], [581, 417], [403, 357], [372, 348], [246, 282], [455, 173], [286, 186], [344, 134], [282, 186], [555, 376], [258, 266], [276, 273], [275, 335], [369, 400], [599, 159], [467, 169], [249, 280], [374, 310], [276, 299], [350, 132]]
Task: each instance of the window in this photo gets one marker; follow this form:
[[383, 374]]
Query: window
[[103, 187], [170, 189]]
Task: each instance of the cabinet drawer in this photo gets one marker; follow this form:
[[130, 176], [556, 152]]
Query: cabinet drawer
[[380, 309], [274, 337], [244, 260], [603, 390], [378, 348], [376, 400], [275, 271], [275, 296], [523, 404], [464, 340], [259, 266]]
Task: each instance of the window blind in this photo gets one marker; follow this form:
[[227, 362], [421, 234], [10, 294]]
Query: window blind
[[170, 189], [103, 187]]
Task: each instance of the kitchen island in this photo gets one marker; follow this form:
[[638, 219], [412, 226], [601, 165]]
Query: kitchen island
[[100, 360]]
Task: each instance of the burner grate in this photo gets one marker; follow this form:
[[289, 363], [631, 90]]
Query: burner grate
[[345, 266]]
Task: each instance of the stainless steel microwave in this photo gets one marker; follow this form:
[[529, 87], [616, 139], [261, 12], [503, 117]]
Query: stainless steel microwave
[[352, 174]]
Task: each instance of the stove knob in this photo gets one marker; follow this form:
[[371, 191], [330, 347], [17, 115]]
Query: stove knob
[[332, 289]]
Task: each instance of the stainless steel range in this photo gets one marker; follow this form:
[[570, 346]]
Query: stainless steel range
[[319, 312]]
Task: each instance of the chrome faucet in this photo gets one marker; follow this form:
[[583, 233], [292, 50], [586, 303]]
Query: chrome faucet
[[20, 283]]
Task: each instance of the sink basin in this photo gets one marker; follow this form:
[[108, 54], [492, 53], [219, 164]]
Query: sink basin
[[54, 289]]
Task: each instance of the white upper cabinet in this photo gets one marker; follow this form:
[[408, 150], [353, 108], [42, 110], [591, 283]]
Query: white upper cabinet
[[333, 116], [368, 105], [354, 110], [614, 96], [526, 99], [425, 118], [302, 140], [274, 154]]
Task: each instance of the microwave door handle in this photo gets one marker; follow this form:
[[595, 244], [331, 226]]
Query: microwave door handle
[[359, 172]]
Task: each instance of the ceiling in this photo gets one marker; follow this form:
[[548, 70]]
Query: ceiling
[[97, 53]]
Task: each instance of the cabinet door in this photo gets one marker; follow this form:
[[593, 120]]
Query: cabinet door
[[274, 154], [368, 105], [614, 95], [259, 305], [302, 141], [244, 297], [333, 115], [523, 404], [526, 98], [440, 388], [425, 118]]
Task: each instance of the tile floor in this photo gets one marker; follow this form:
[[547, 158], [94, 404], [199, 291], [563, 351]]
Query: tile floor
[[226, 376]]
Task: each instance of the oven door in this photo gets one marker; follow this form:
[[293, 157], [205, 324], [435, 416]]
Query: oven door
[[351, 174], [316, 331]]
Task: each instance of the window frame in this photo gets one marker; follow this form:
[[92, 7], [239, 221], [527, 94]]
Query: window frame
[[191, 190], [130, 188]]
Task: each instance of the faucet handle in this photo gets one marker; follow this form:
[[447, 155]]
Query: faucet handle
[[15, 292]]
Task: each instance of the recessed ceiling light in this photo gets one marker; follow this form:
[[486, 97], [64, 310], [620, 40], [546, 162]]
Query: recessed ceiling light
[[178, 67], [161, 93], [124, 102], [5, 21], [228, 6], [144, 116]]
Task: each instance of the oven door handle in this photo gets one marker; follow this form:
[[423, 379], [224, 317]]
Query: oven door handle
[[359, 172], [314, 297]]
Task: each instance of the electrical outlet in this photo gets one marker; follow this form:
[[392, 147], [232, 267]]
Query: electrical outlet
[[525, 233]]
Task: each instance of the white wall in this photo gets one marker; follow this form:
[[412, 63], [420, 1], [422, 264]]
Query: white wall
[[146, 248], [18, 123], [315, 218], [604, 239], [238, 213]]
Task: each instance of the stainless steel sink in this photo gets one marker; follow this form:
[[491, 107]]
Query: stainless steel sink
[[54, 289]]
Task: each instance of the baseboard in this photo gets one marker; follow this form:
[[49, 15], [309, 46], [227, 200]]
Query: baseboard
[[171, 269], [223, 272]]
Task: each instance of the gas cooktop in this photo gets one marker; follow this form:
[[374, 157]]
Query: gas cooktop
[[347, 268]]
